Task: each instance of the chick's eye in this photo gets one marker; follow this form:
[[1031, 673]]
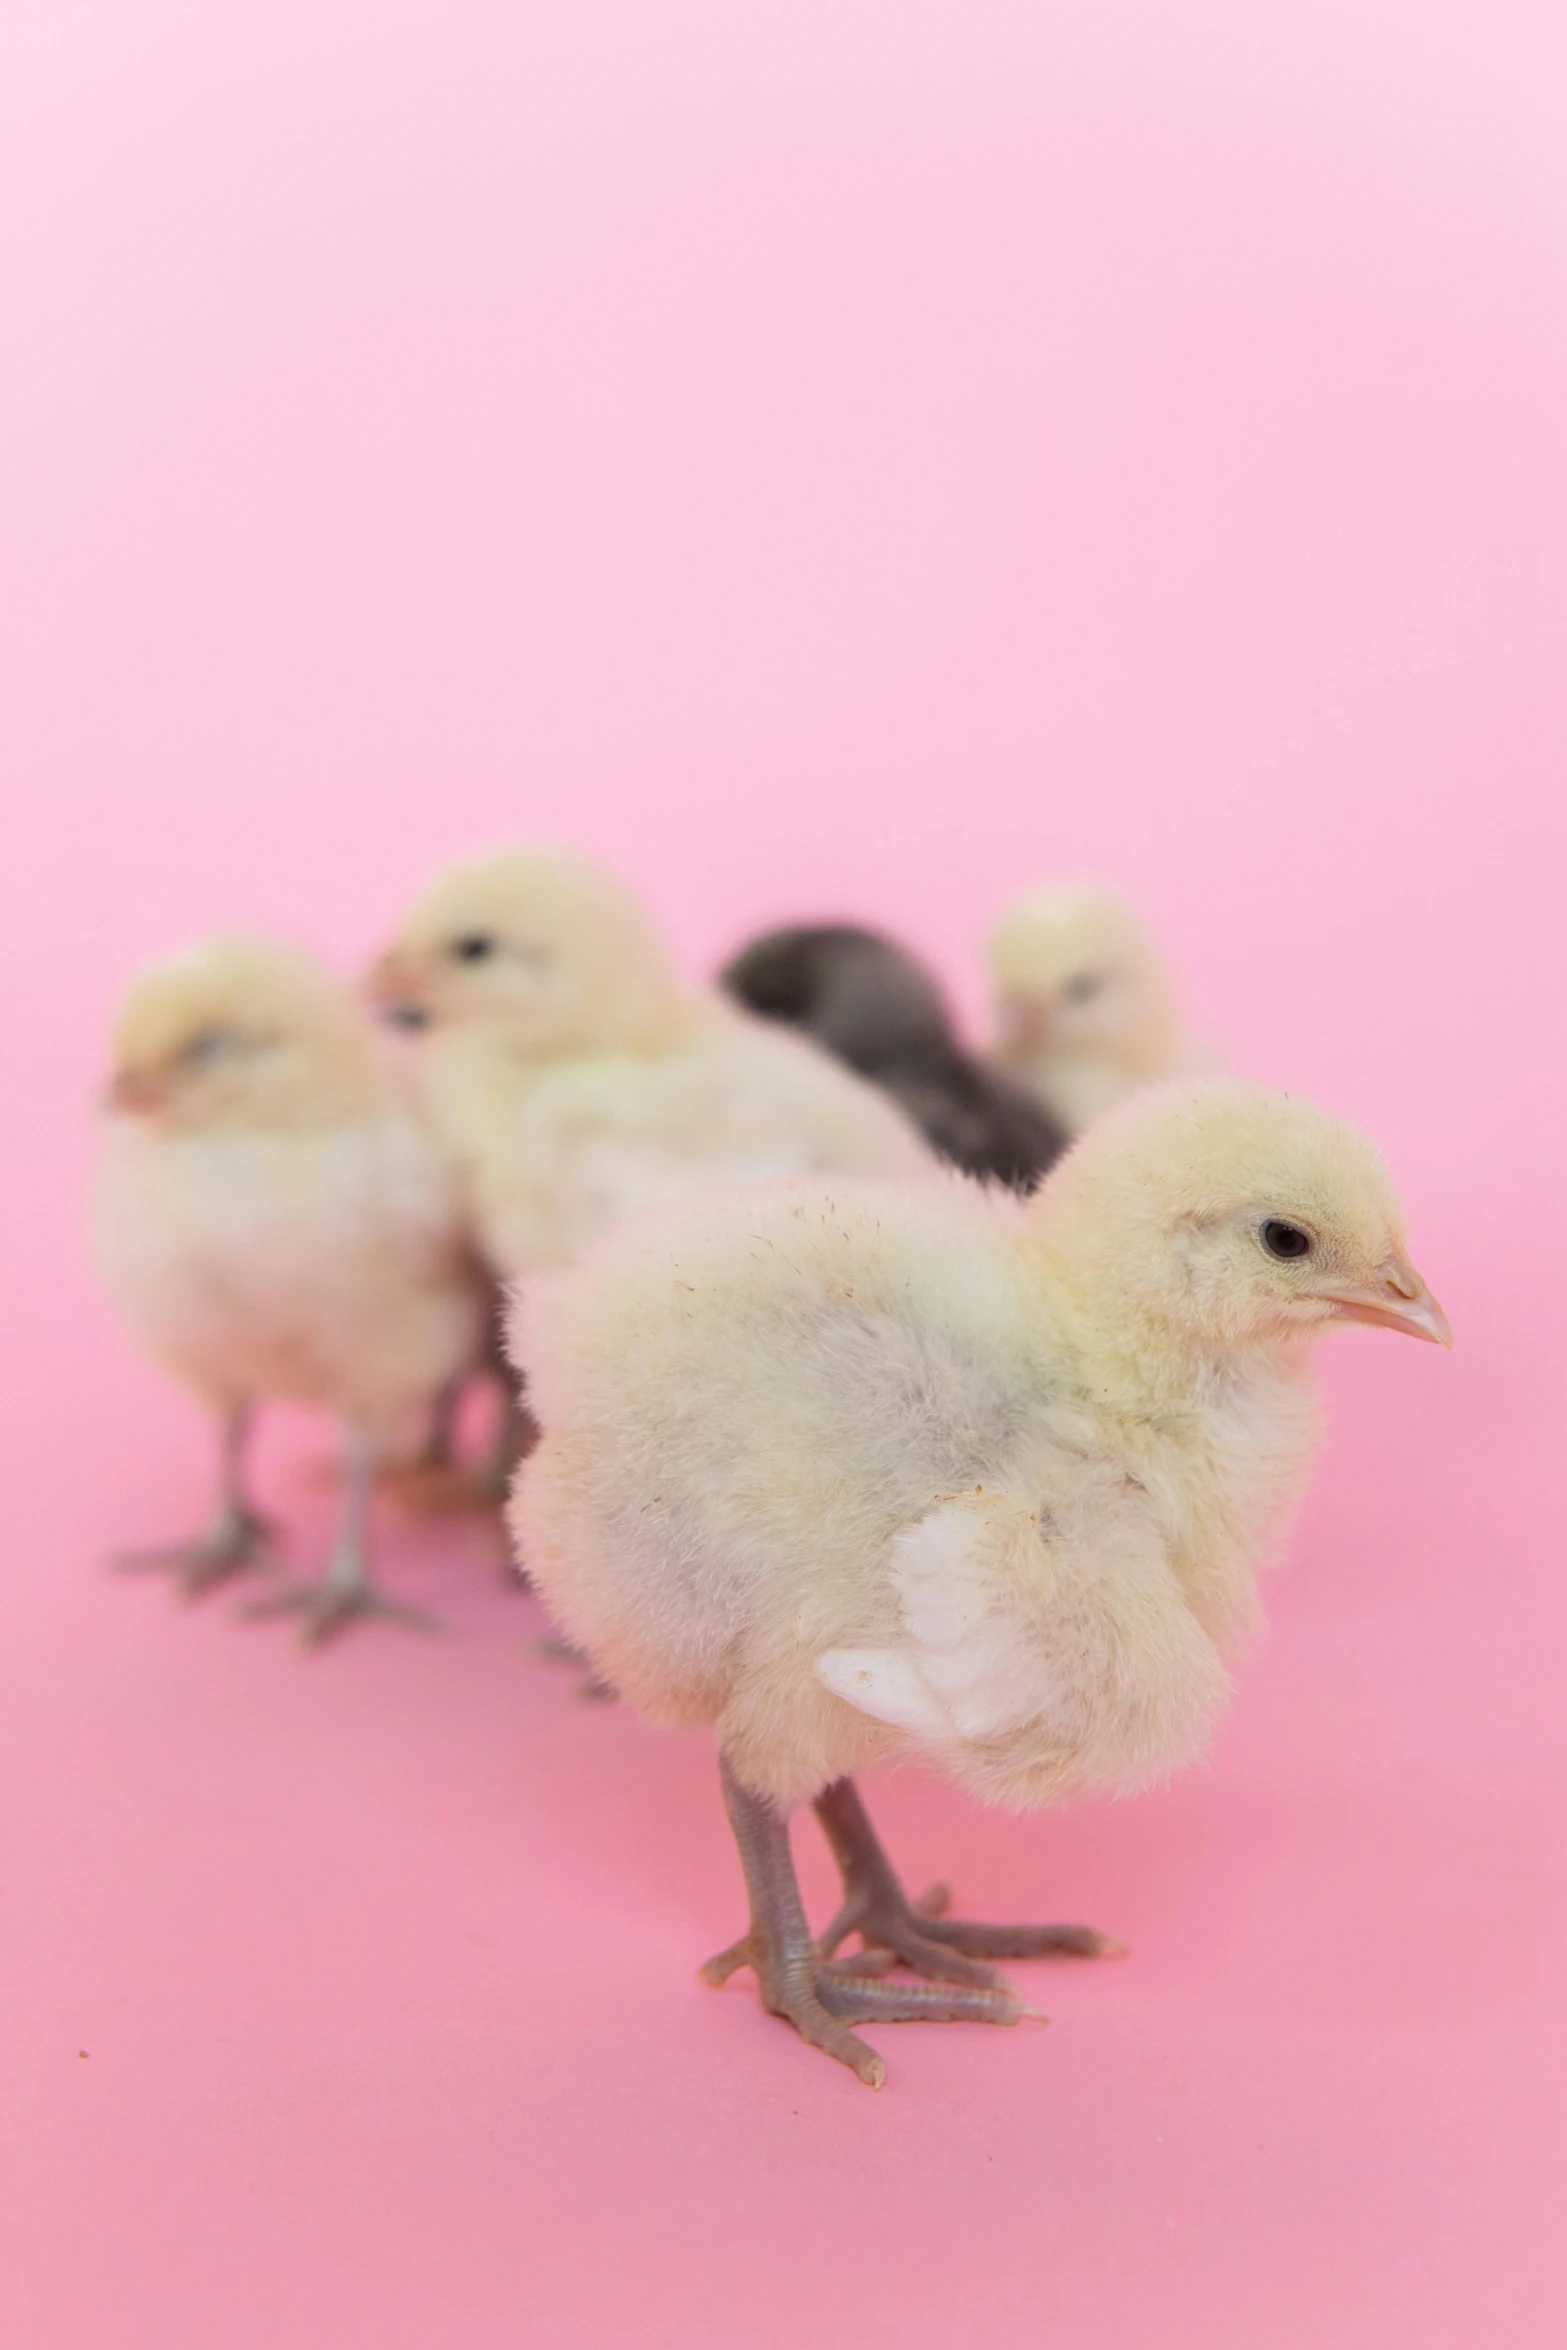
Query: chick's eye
[[1285, 1240], [1082, 987], [206, 1046], [475, 946]]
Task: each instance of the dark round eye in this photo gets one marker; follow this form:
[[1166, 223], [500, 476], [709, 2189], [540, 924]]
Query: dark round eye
[[476, 946], [206, 1046], [1082, 987], [1285, 1240]]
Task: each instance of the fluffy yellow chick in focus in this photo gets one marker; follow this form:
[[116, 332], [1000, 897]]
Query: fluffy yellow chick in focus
[[1084, 1009], [274, 1223], [857, 1474], [573, 1075]]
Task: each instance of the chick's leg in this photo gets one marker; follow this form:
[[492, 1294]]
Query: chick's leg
[[426, 1478], [438, 1484], [345, 1592], [438, 1453], [791, 1975], [516, 1434], [946, 1950], [238, 1538], [434, 1482], [516, 1431], [490, 1362]]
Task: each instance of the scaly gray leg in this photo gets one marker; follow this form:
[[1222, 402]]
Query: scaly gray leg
[[438, 1453], [516, 1434], [238, 1539], [793, 1978], [943, 1949], [437, 1484], [345, 1592]]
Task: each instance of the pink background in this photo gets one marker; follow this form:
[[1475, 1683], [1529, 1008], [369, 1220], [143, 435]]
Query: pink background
[[831, 455]]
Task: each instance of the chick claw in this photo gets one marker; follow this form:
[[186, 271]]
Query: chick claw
[[821, 2001], [984, 1941], [328, 1610], [920, 1934], [592, 1689], [891, 1936], [819, 1997], [238, 1545]]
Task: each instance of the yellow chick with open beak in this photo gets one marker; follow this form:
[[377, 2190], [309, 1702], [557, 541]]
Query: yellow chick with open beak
[[857, 1473], [573, 1075], [274, 1223], [1084, 1009]]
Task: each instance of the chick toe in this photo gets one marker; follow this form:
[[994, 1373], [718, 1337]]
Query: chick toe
[[327, 1610], [919, 1934], [983, 1941], [237, 1545]]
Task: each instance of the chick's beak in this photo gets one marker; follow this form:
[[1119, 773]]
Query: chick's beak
[[1395, 1298], [1025, 1022], [393, 986], [135, 1092]]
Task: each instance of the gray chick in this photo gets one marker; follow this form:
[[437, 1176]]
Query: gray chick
[[874, 1006]]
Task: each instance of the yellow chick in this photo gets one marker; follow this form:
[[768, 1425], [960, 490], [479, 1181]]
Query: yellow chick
[[573, 1075], [1084, 1009], [274, 1223], [856, 1474]]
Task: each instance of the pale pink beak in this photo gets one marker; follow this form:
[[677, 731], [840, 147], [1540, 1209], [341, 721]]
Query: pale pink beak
[[393, 986], [136, 1092], [1024, 1023], [1394, 1299]]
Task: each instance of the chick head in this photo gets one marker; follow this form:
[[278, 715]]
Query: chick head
[[240, 1033], [1075, 973], [1226, 1215], [545, 949]]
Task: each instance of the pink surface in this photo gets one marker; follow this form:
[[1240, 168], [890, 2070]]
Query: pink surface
[[844, 457]]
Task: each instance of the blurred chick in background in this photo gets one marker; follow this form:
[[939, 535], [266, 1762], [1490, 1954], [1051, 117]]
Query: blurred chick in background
[[859, 1473], [1085, 1010], [273, 1223], [573, 1075], [875, 1007]]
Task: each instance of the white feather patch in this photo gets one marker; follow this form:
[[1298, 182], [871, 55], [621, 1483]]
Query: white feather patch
[[960, 1676], [883, 1684]]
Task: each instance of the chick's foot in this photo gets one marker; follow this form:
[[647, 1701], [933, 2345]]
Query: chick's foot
[[821, 2002], [553, 1649], [797, 1983], [892, 1928], [237, 1543], [345, 1592], [327, 1609]]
